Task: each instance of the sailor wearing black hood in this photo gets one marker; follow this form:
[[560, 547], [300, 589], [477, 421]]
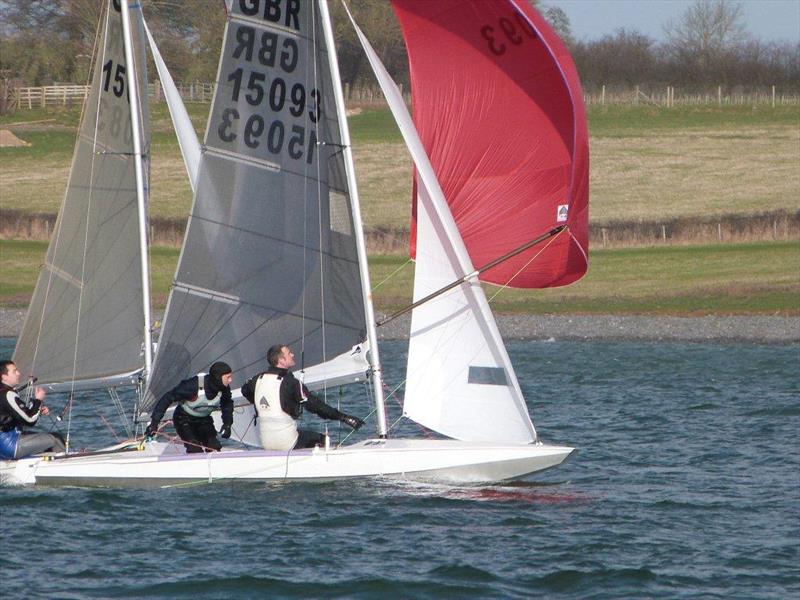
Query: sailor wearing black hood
[[197, 398]]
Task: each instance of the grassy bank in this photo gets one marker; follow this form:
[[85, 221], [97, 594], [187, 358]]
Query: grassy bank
[[648, 163], [758, 278]]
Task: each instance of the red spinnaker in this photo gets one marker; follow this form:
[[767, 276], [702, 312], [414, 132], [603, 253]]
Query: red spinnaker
[[499, 107]]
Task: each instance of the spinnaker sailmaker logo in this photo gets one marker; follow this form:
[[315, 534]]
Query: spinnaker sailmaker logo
[[561, 213]]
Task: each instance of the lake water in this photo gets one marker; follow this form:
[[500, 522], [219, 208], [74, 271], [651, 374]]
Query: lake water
[[687, 485]]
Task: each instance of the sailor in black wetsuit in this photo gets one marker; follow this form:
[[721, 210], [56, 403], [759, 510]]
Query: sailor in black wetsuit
[[279, 399], [16, 414], [197, 398]]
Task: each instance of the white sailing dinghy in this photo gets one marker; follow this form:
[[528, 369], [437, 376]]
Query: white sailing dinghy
[[274, 248]]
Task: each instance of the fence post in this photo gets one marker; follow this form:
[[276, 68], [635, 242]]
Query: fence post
[[773, 96], [663, 232], [719, 231], [719, 95], [603, 96], [605, 237]]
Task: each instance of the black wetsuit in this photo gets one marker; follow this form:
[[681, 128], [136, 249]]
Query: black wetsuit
[[15, 415], [197, 432], [294, 398]]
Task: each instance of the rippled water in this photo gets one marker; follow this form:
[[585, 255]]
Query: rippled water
[[687, 485]]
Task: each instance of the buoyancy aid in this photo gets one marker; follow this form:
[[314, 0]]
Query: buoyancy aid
[[201, 406], [277, 429]]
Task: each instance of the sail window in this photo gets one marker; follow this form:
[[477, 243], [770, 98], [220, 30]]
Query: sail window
[[487, 376], [340, 214]]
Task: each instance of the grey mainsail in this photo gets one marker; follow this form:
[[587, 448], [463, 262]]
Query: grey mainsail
[[85, 320], [270, 250]]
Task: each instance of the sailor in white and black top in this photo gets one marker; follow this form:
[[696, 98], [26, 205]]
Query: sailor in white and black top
[[16, 414], [279, 400], [197, 398]]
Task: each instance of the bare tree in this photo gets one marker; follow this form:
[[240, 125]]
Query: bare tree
[[707, 33], [559, 21]]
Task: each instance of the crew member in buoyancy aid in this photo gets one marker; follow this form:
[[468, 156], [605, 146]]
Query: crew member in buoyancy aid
[[279, 400], [16, 414], [197, 398]]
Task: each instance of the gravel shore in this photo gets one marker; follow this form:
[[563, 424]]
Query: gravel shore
[[719, 329]]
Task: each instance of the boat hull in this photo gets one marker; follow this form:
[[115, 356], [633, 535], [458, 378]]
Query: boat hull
[[158, 464]]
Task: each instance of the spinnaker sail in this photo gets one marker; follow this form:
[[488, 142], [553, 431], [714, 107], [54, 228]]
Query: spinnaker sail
[[498, 105]]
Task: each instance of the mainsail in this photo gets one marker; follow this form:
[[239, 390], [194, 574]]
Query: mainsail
[[270, 250], [85, 320]]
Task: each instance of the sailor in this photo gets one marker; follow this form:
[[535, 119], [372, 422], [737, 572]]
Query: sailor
[[279, 400], [16, 414], [197, 398]]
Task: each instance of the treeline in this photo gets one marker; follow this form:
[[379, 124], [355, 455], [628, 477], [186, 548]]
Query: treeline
[[45, 42], [629, 58]]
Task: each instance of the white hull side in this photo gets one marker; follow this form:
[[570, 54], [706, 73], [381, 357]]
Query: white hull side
[[161, 464]]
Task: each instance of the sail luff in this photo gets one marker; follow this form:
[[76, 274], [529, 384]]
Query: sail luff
[[133, 97], [366, 288]]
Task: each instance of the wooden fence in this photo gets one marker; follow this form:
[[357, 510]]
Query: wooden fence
[[667, 97], [21, 98]]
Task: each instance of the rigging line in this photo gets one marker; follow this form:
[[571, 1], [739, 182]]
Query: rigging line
[[525, 266], [352, 431], [305, 239], [112, 392], [314, 38], [59, 220], [392, 274]]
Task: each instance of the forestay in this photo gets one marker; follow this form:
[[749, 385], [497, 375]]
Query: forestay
[[85, 320], [270, 252]]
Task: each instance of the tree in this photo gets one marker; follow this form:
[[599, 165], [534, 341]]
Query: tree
[[707, 33], [559, 21]]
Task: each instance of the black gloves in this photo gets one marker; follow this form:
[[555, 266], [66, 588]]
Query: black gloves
[[151, 431], [353, 422], [225, 431]]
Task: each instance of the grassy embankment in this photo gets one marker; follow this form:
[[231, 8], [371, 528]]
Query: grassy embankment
[[757, 278], [647, 163]]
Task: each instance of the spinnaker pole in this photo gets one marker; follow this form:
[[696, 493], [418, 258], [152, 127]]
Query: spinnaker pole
[[133, 96], [361, 247], [470, 276]]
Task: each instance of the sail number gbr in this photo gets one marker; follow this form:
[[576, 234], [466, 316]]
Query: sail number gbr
[[280, 96]]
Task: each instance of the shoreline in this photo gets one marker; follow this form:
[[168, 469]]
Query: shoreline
[[757, 329]]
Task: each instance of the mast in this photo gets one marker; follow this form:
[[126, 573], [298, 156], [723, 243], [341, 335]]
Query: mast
[[366, 289], [133, 95]]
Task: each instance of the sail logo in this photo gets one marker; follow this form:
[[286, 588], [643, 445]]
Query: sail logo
[[561, 213]]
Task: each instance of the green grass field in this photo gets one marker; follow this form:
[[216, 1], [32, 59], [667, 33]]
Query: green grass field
[[648, 163], [758, 278]]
